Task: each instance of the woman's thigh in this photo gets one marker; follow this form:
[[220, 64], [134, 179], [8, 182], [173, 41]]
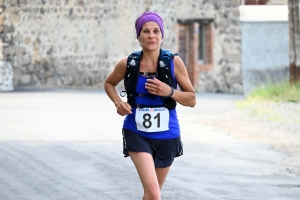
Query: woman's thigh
[[145, 167], [161, 174]]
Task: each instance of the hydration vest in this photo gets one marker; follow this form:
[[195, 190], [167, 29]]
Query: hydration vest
[[163, 73]]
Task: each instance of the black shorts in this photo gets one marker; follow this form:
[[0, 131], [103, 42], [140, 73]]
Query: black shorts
[[162, 151]]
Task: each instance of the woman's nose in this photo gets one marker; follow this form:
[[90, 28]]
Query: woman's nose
[[151, 34]]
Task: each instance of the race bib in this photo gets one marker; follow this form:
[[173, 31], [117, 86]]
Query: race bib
[[152, 119]]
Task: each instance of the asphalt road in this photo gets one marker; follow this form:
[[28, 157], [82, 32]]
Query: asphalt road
[[68, 145]]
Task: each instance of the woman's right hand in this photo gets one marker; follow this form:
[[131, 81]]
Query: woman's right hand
[[123, 108]]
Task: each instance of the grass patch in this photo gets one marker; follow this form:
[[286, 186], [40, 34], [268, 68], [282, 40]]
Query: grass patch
[[282, 92], [255, 103]]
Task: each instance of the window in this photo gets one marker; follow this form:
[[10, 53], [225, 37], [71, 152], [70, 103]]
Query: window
[[206, 44], [201, 45]]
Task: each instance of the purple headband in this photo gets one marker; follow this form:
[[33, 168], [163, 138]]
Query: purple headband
[[146, 17]]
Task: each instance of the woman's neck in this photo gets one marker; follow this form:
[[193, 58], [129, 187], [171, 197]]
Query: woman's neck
[[149, 60]]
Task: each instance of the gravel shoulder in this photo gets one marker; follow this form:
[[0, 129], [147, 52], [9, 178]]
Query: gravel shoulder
[[275, 124]]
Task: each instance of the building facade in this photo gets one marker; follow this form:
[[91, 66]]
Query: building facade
[[265, 45], [53, 43]]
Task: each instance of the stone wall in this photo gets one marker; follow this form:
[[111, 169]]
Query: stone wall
[[54, 43], [226, 74]]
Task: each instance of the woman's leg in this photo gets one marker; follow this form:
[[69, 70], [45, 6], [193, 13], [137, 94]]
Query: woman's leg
[[161, 174], [145, 167]]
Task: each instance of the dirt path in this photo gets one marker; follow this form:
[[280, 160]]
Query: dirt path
[[278, 126]]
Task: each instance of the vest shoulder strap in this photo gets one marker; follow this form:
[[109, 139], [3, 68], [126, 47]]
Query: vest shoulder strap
[[134, 59], [165, 57]]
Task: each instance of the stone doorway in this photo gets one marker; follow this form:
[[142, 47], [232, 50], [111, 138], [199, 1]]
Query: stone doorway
[[195, 47]]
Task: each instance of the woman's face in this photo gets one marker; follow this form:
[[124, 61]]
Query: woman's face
[[150, 36]]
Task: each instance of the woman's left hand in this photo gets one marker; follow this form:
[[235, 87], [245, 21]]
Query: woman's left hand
[[156, 87]]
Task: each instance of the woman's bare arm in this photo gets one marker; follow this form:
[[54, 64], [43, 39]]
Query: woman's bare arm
[[187, 95], [123, 108]]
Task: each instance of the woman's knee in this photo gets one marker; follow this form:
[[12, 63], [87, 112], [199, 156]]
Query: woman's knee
[[152, 193]]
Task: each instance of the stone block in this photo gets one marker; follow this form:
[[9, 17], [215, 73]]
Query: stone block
[[6, 76], [25, 80]]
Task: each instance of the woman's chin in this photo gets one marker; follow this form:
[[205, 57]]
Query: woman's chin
[[151, 47]]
